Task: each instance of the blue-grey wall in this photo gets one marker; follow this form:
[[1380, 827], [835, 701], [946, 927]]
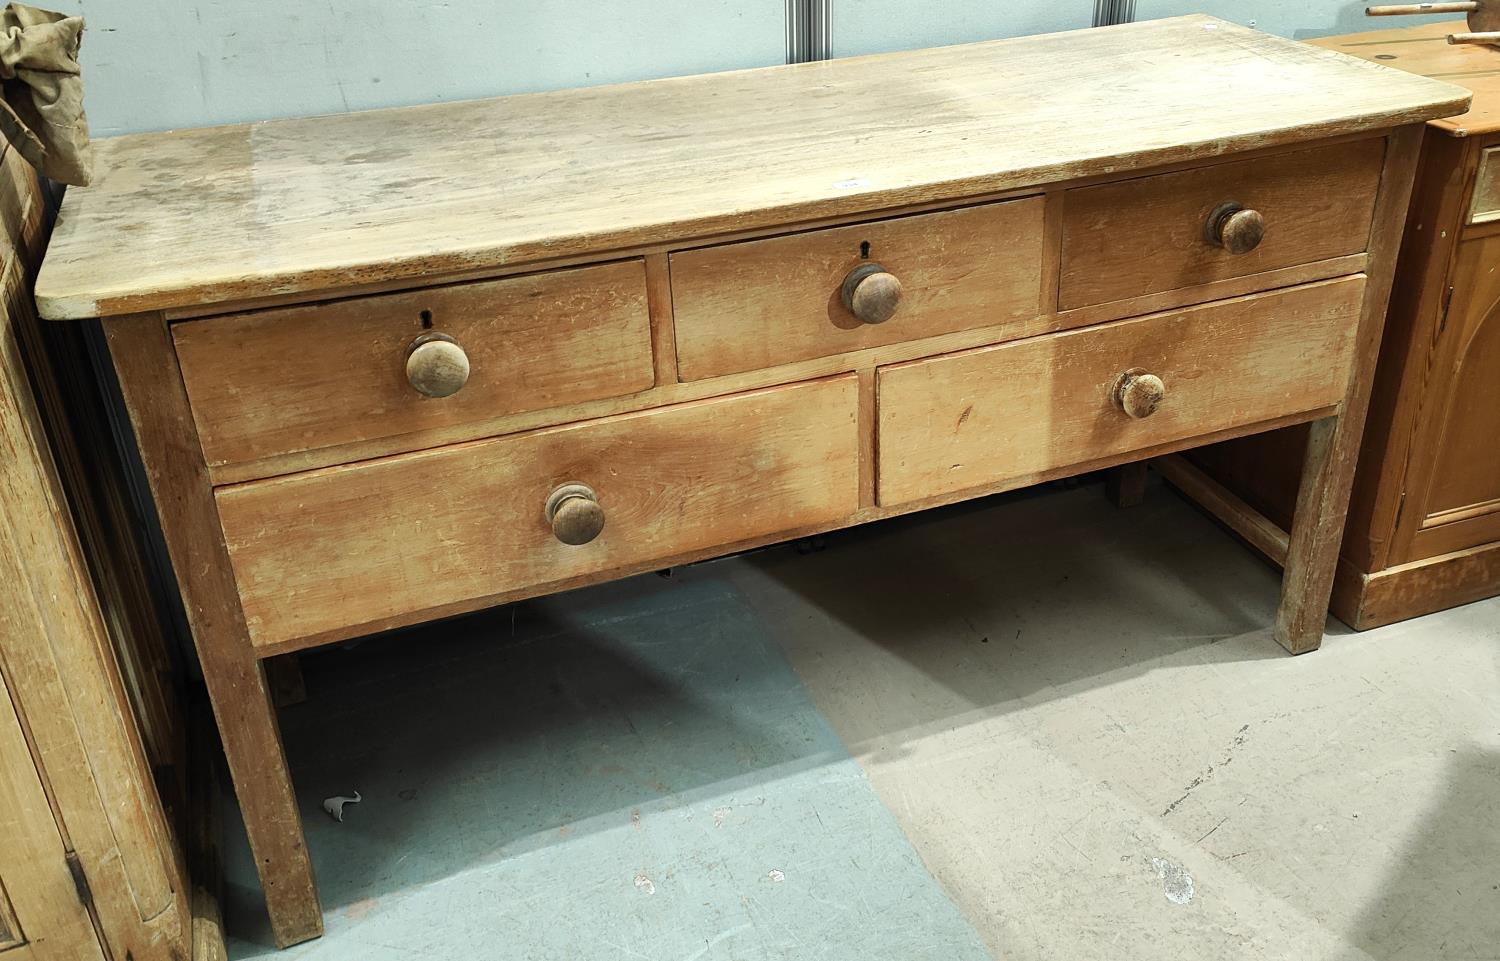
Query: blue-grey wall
[[158, 64]]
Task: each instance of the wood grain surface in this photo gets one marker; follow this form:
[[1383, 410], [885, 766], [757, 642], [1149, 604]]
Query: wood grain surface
[[76, 650], [229, 213], [151, 385], [762, 303], [292, 379], [1424, 50], [364, 543], [956, 422], [1146, 235], [36, 886]]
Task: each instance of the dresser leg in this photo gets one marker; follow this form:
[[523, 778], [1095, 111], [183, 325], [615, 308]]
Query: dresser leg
[[151, 385], [1125, 486], [1317, 531], [1333, 442]]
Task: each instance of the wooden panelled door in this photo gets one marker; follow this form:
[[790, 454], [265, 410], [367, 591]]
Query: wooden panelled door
[[1453, 488]]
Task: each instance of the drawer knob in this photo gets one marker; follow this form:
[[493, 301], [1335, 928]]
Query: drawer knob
[[574, 512], [871, 294], [436, 365], [1138, 393], [1236, 228]]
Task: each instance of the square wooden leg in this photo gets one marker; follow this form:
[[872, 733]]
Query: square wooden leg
[[151, 383], [1125, 486], [284, 677], [1333, 442], [1317, 532]]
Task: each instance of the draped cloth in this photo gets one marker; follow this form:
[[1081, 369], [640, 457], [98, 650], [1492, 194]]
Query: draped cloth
[[41, 92]]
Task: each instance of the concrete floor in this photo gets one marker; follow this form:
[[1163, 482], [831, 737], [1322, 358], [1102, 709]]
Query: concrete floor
[[1031, 727]]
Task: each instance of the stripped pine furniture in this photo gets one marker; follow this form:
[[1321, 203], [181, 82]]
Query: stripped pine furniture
[[393, 366]]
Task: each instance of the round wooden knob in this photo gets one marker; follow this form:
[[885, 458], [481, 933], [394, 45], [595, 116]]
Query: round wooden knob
[[871, 294], [1138, 393], [1237, 229], [436, 365], [574, 512]]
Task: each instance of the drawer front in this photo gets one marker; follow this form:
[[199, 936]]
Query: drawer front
[[385, 540], [1016, 410], [300, 378], [1153, 234], [760, 303], [1485, 206]]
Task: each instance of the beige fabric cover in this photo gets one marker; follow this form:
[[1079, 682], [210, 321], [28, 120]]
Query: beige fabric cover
[[41, 92]]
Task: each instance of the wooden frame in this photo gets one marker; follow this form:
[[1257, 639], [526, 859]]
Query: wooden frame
[[157, 401]]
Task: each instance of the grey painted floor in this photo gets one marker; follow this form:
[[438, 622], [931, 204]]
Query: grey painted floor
[[1032, 727]]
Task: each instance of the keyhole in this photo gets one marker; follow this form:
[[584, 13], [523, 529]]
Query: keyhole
[[864, 250], [426, 316]]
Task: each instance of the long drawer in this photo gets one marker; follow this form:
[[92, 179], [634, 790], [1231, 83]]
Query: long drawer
[[301, 378], [1172, 230], [1015, 410], [760, 303], [371, 543]]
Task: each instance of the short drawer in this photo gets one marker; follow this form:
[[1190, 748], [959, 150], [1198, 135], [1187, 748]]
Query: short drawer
[[1163, 232], [760, 303], [300, 378], [383, 541], [1014, 411]]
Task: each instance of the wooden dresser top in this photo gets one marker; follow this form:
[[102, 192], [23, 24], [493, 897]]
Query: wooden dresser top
[[225, 214], [1424, 50]]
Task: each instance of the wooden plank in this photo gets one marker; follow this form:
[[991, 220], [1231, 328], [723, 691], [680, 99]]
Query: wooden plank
[[954, 422], [45, 915], [91, 473], [663, 327], [158, 405], [764, 303], [310, 204], [203, 831], [1415, 317], [1260, 531], [1333, 443], [1147, 235], [261, 383], [1421, 587], [64, 675], [869, 458], [366, 542], [1125, 486]]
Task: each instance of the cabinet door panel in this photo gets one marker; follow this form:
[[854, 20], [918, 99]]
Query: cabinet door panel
[[40, 913], [1454, 485]]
